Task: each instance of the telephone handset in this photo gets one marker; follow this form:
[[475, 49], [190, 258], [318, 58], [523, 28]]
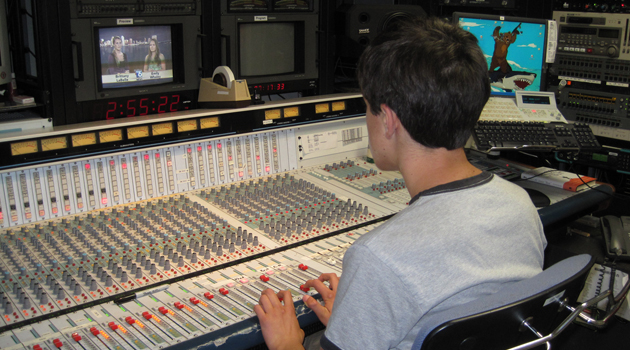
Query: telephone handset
[[617, 236]]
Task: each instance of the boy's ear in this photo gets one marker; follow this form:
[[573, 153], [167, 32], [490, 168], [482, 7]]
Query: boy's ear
[[390, 120]]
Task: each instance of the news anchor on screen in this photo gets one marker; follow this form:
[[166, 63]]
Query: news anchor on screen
[[117, 59]]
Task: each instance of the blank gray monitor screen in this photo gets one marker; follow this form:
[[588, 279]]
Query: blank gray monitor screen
[[267, 48]]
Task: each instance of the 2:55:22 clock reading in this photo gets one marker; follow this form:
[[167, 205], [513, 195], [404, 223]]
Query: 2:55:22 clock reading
[[138, 106]]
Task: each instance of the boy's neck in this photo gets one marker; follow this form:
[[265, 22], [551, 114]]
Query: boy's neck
[[429, 168]]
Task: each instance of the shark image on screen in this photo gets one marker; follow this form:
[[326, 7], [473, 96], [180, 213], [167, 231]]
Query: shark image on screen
[[513, 49]]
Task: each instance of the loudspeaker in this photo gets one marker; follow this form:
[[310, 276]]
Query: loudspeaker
[[358, 25]]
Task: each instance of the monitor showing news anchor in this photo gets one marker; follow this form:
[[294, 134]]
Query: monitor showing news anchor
[[135, 55]]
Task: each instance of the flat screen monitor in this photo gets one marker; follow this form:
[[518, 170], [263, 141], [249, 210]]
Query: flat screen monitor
[[514, 49], [134, 56]]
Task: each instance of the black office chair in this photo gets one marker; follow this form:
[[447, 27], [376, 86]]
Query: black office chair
[[515, 316]]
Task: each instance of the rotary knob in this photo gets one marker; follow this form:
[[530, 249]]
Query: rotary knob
[[612, 51]]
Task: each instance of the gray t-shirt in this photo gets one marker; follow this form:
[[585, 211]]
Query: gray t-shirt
[[453, 244]]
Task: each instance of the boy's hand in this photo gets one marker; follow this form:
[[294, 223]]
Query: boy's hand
[[328, 295], [278, 322]]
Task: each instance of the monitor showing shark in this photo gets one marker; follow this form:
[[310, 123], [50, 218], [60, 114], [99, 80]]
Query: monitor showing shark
[[514, 49]]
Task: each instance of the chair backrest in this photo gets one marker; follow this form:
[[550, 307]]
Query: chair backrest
[[494, 321]]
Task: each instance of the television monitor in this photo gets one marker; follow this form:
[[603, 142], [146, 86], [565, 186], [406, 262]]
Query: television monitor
[[134, 56], [275, 52], [514, 48], [118, 72], [5, 57]]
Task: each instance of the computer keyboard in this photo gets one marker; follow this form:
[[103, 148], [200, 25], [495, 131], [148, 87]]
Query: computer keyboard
[[539, 136]]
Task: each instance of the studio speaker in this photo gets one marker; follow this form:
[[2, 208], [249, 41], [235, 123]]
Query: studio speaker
[[358, 25]]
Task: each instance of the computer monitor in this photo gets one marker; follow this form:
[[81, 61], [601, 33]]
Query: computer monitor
[[514, 48]]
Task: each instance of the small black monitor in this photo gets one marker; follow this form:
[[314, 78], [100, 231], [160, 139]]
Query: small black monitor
[[275, 51], [514, 47]]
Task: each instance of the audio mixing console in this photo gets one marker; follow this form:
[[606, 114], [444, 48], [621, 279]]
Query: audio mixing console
[[166, 245], [172, 244]]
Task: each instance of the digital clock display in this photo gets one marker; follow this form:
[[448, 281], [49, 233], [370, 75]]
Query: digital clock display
[[271, 87], [136, 106]]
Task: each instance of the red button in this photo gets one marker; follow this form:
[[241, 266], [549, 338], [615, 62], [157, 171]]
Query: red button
[[94, 331], [224, 291], [147, 315], [303, 267], [208, 295], [130, 320], [194, 300], [163, 310], [76, 337], [179, 305], [57, 343], [113, 326], [305, 288], [264, 278], [37, 347]]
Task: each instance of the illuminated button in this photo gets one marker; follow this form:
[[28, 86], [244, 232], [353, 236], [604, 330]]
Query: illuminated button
[[179, 305], [264, 278], [194, 300], [230, 284], [224, 291], [199, 148], [157, 155], [87, 166], [94, 331], [282, 268], [113, 326], [218, 145], [130, 320], [303, 267], [244, 280], [304, 288], [111, 162], [270, 272], [163, 310], [208, 295], [147, 315]]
